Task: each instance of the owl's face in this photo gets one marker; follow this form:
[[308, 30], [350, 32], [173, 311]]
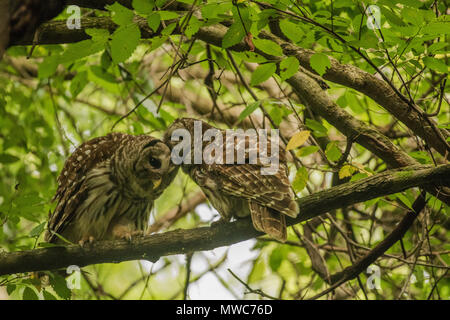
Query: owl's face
[[148, 163]]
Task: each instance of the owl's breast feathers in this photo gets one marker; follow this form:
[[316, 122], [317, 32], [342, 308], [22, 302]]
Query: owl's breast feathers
[[89, 197]]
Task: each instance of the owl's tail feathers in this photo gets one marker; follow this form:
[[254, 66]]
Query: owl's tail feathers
[[269, 221], [291, 209]]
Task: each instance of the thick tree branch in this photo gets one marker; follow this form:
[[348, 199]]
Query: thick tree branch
[[346, 75], [207, 238], [375, 88], [307, 88]]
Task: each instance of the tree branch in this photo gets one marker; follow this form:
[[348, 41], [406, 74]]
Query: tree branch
[[207, 238], [307, 88], [397, 234], [348, 75]]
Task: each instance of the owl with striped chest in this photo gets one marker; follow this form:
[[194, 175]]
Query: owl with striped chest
[[107, 188]]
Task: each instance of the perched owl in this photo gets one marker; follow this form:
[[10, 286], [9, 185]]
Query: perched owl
[[107, 188], [234, 189]]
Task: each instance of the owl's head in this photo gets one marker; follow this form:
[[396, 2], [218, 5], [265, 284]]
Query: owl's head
[[144, 167], [191, 125]]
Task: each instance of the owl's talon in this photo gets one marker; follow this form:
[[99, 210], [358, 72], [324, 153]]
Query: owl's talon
[[86, 240]]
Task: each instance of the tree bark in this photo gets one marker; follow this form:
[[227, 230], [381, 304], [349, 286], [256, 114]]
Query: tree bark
[[153, 247]]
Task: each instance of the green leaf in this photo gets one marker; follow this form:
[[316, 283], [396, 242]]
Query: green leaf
[[48, 66], [268, 46], [435, 64], [234, 35], [119, 14], [58, 283], [249, 110], [29, 294], [438, 47], [258, 272], [153, 21], [98, 35], [391, 17], [421, 156], [276, 258], [264, 17], [437, 28], [306, 151], [300, 180], [124, 42], [78, 83], [358, 176], [167, 31], [320, 62], [353, 102], [158, 41], [160, 3], [10, 288], [48, 296], [36, 231], [262, 73], [78, 50], [317, 127], [332, 151], [8, 158], [193, 27], [291, 30], [105, 60], [276, 114], [215, 10], [168, 15], [102, 74], [288, 67], [143, 6], [404, 199]]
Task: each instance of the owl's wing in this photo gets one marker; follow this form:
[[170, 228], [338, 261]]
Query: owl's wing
[[246, 181], [272, 189], [71, 188]]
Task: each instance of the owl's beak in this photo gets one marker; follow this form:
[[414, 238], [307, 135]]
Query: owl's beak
[[157, 183]]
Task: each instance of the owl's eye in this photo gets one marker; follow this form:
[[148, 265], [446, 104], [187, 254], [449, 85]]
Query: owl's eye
[[155, 163]]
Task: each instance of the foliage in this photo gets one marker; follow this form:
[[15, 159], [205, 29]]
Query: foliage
[[67, 93]]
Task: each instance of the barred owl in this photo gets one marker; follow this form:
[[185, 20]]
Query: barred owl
[[239, 190], [107, 188]]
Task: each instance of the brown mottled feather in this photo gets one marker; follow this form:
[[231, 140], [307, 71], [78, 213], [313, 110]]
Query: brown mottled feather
[[228, 186], [89, 186]]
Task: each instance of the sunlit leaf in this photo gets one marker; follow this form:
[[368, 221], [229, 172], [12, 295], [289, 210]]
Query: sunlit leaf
[[262, 73], [300, 180], [298, 139], [249, 110], [320, 63], [288, 67]]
